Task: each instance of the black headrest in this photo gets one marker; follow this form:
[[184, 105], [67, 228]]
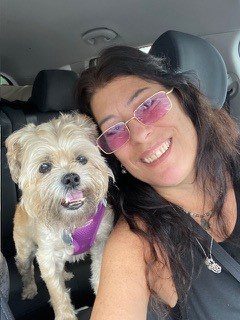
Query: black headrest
[[53, 90], [185, 52]]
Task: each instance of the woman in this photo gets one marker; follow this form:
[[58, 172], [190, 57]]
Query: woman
[[176, 162]]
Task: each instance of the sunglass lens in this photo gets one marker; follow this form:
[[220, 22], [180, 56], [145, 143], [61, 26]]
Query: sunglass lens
[[153, 108], [113, 138]]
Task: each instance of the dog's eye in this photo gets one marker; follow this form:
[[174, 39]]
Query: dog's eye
[[82, 159], [45, 167]]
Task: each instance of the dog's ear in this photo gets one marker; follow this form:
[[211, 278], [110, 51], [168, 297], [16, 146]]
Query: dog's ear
[[14, 150]]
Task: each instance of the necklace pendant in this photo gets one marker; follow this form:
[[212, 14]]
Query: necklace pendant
[[212, 265], [205, 224]]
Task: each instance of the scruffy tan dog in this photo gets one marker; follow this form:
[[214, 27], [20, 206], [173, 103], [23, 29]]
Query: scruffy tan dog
[[62, 213]]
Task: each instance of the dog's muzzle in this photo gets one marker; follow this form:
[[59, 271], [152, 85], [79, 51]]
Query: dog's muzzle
[[73, 200]]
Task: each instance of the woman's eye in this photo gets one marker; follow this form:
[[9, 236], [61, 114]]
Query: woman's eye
[[82, 159], [110, 133], [45, 167], [116, 129], [147, 104]]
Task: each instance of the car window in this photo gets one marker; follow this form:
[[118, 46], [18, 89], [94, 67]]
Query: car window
[[5, 81]]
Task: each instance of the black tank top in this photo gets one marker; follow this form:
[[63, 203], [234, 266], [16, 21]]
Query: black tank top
[[212, 296]]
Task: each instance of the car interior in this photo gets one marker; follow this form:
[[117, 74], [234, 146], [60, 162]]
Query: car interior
[[44, 47]]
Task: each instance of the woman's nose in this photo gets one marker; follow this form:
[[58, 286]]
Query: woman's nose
[[138, 131]]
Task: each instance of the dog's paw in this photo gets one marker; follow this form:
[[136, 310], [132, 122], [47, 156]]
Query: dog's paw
[[29, 292], [67, 275]]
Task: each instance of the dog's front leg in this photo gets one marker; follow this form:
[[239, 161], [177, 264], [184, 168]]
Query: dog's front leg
[[96, 256], [26, 249], [51, 268]]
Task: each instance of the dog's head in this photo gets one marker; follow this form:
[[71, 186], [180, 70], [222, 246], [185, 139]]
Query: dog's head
[[58, 166]]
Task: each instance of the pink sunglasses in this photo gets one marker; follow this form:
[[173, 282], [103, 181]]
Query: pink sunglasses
[[150, 111]]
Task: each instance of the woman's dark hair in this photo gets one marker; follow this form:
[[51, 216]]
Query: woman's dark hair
[[166, 226]]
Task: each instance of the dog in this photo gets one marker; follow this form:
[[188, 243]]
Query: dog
[[62, 214]]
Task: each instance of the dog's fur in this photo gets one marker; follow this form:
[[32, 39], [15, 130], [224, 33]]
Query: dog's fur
[[40, 218]]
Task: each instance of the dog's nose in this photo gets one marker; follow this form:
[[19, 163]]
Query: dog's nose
[[71, 180]]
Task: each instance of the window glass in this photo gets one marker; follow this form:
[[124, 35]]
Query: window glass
[[145, 49], [4, 80]]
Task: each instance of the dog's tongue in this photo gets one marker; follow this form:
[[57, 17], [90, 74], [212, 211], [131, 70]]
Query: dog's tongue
[[73, 196]]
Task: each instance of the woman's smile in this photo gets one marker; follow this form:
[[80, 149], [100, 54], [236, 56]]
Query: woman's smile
[[151, 156]]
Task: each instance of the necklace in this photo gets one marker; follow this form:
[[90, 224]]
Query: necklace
[[204, 218], [209, 262]]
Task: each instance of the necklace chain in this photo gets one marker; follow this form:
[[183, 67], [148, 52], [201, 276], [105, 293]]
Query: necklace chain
[[205, 224], [209, 262], [204, 218]]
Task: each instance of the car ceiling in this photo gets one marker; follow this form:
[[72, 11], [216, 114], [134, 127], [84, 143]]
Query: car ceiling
[[46, 34]]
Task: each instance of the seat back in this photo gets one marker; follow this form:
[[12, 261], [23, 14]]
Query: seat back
[[53, 91], [8, 191], [192, 54], [5, 312]]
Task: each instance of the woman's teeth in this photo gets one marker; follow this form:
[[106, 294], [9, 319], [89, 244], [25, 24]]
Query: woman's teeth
[[157, 153]]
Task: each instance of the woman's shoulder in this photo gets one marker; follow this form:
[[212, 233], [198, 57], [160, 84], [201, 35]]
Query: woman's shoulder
[[123, 292], [124, 241], [122, 237], [127, 255]]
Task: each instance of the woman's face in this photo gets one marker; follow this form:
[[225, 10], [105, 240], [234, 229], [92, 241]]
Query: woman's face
[[143, 155]]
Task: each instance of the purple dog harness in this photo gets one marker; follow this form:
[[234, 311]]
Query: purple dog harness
[[83, 238]]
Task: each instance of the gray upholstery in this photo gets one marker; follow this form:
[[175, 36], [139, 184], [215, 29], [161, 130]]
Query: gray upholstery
[[189, 53], [5, 312], [4, 277]]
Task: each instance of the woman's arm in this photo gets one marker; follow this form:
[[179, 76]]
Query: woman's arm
[[123, 291]]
